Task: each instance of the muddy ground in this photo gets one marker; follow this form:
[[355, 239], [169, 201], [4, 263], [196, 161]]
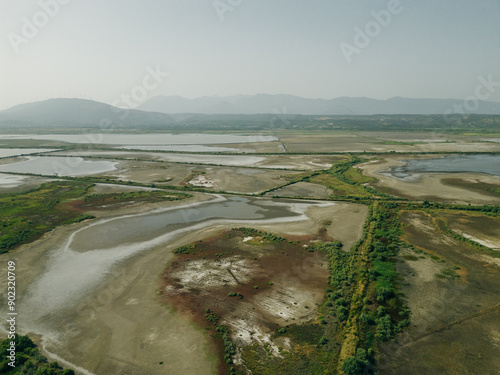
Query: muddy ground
[[232, 179], [454, 296], [254, 285], [431, 186], [344, 141], [479, 228]]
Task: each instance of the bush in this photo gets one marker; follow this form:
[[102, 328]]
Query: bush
[[384, 328], [353, 366]]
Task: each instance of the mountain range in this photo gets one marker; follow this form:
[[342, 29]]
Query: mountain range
[[289, 104], [163, 111], [63, 112]]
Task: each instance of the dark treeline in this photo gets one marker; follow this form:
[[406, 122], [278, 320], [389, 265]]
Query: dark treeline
[[363, 298], [28, 359], [274, 122]]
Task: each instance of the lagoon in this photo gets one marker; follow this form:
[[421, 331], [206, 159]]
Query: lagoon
[[489, 164], [88, 254], [60, 166], [155, 139]]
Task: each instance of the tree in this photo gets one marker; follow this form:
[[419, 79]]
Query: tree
[[356, 365], [353, 366]]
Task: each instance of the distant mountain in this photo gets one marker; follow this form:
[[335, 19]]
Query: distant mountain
[[251, 111], [79, 113], [282, 104]]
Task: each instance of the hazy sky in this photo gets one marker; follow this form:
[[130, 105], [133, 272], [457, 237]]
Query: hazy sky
[[101, 49]]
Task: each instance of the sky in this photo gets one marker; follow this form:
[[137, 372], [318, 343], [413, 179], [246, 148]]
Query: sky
[[104, 49]]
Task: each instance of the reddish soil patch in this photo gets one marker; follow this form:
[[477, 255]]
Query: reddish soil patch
[[255, 285], [74, 206]]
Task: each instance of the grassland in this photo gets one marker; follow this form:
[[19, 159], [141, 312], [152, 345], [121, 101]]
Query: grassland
[[340, 189], [357, 176], [348, 182], [452, 290], [151, 196], [26, 216]]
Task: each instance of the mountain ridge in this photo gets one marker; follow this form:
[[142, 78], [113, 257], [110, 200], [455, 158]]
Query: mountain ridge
[[290, 104], [79, 112], [72, 112]]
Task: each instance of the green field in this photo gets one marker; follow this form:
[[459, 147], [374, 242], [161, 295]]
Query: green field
[[26, 216]]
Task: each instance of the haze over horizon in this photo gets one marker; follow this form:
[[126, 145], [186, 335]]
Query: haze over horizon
[[102, 51]]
